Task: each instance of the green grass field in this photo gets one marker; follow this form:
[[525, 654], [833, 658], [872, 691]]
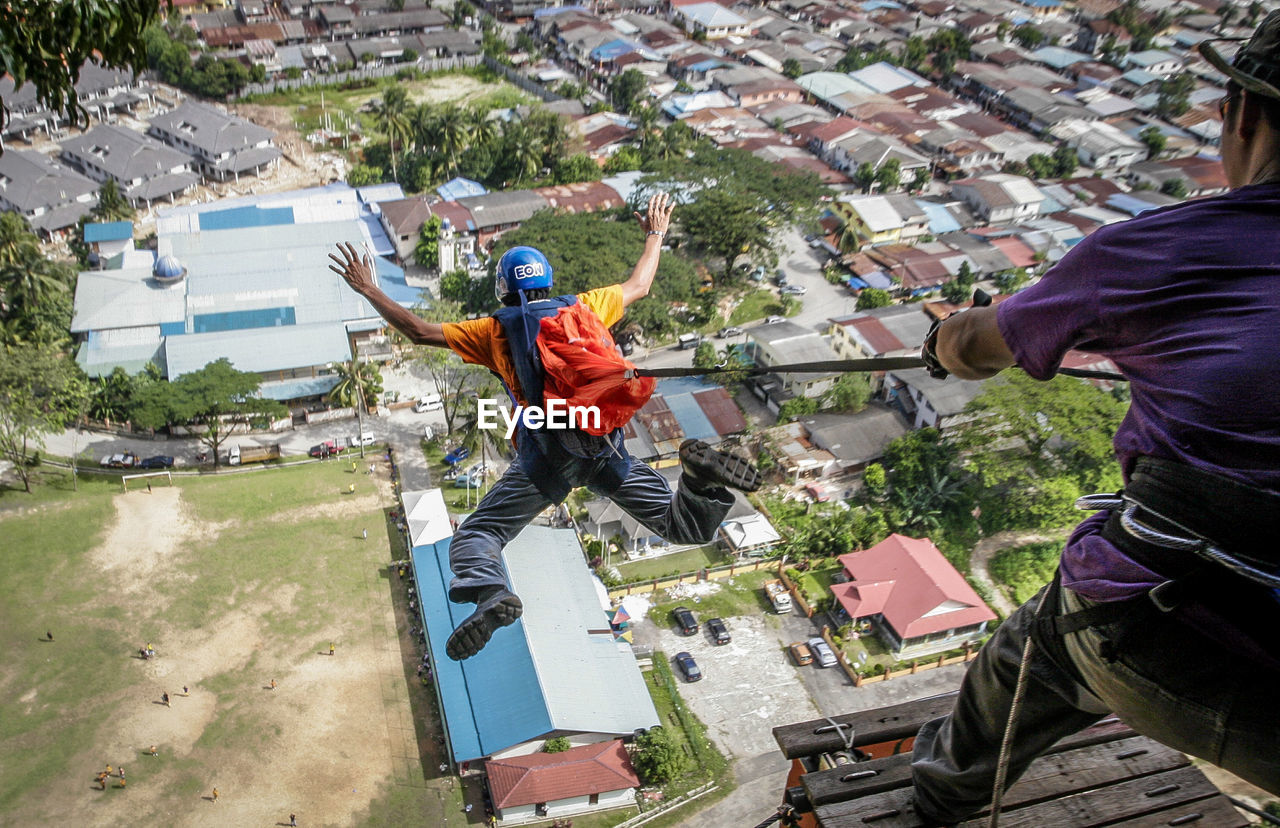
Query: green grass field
[[236, 580]]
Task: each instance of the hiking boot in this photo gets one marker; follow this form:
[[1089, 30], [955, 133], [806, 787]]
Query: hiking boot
[[495, 608], [707, 468]]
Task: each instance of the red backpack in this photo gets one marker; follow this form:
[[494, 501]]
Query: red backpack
[[581, 365]]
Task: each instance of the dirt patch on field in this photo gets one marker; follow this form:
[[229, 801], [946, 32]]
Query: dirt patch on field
[[317, 744]]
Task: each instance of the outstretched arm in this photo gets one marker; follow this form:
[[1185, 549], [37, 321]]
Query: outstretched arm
[[655, 223], [358, 273]]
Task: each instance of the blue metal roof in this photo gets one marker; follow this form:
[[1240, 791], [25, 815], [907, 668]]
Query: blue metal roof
[[460, 188], [492, 701], [391, 280], [108, 231], [855, 283], [1130, 204], [240, 217], [693, 420], [552, 11], [296, 389], [940, 218]]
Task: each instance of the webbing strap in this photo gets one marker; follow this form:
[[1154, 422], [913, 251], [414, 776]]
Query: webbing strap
[[835, 366]]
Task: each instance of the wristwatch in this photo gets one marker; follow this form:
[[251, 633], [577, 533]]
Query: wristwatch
[[928, 351]]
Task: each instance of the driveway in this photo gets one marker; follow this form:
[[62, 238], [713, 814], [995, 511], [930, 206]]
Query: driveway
[[748, 685]]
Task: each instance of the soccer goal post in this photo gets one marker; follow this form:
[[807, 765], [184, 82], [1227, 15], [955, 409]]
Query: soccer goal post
[[124, 479]]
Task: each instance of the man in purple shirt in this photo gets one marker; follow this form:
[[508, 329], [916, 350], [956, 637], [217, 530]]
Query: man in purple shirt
[[1181, 640]]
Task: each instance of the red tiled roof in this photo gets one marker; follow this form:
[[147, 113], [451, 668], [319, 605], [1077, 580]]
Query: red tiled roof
[[550, 777], [1017, 250], [606, 135], [926, 594], [833, 130], [457, 215]]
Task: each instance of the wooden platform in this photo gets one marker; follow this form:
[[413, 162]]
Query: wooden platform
[[1105, 775]]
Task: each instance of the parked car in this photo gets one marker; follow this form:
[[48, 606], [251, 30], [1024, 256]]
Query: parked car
[[801, 654], [122, 460], [324, 449], [732, 330], [361, 440], [456, 456], [428, 402], [160, 461], [689, 340], [685, 621], [719, 632], [464, 480], [822, 652], [758, 274], [689, 667], [794, 290], [780, 278], [769, 320]]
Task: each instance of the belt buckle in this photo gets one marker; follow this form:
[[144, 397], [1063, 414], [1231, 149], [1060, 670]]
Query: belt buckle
[[1163, 601]]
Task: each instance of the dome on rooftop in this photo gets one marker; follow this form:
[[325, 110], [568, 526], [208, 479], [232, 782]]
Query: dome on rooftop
[[445, 224], [168, 269]]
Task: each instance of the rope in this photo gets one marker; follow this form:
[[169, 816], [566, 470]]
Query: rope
[[1019, 692], [834, 366]]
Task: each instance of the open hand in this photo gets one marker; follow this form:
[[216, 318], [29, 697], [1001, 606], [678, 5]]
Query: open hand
[[357, 272], [658, 218]]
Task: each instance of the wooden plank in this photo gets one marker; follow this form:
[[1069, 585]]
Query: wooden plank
[[1110, 804], [865, 778], [869, 727], [1051, 778], [1215, 812]]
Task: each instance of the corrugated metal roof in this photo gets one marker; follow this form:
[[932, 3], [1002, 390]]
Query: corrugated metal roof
[[259, 349], [108, 299], [108, 231], [545, 672], [693, 420], [721, 410]]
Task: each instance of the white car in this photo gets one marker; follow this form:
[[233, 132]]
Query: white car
[[361, 440]]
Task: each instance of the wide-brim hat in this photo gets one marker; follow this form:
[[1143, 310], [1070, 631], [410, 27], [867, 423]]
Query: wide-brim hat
[[1256, 67]]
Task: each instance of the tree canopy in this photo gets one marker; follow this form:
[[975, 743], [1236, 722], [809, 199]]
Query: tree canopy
[[41, 391], [46, 42], [590, 250]]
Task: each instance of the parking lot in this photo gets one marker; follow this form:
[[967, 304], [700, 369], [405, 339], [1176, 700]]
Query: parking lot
[[749, 685]]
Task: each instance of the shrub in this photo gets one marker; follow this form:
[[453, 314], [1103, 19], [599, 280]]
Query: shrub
[[557, 745]]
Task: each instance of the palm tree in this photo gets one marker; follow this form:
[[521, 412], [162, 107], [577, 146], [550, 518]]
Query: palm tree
[[29, 285], [392, 112], [112, 205], [18, 245], [356, 379], [524, 149], [482, 128], [452, 135]]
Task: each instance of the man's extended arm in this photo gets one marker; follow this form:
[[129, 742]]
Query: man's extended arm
[[970, 346], [358, 273], [655, 225]]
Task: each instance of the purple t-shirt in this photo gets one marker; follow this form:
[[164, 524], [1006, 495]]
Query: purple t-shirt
[[1186, 301]]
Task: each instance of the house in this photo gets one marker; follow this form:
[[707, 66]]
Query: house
[[881, 219], [786, 343], [750, 535], [894, 330], [144, 169], [224, 146], [1100, 145], [855, 440], [1000, 198], [558, 671], [797, 456], [51, 197], [106, 240], [493, 214], [713, 19], [583, 779], [929, 402], [1157, 62], [1097, 35], [912, 596]]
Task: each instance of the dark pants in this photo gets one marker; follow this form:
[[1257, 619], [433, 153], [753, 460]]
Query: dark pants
[[1162, 677], [475, 554]]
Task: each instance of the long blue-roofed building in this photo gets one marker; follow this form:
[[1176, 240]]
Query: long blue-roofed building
[[559, 670]]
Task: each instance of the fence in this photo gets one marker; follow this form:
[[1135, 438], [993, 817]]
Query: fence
[[649, 816], [713, 574], [888, 675], [363, 72], [796, 594], [527, 84]]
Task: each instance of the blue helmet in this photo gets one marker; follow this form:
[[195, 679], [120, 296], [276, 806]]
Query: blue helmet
[[521, 268]]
